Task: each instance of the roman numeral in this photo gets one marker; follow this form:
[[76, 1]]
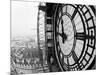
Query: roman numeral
[[91, 46], [61, 10], [89, 18], [80, 36], [88, 54], [68, 64], [74, 56], [75, 12], [83, 36], [62, 58], [86, 11], [66, 8], [85, 59], [93, 27]]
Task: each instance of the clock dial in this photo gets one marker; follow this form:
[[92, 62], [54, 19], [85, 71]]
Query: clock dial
[[74, 36], [65, 35]]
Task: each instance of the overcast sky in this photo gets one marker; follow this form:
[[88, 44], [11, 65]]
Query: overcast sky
[[23, 18]]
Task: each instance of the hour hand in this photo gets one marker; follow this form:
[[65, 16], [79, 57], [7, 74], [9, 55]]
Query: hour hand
[[62, 26], [64, 37], [60, 34]]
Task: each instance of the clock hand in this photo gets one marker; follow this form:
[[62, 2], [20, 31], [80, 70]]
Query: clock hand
[[63, 35], [62, 26], [60, 34]]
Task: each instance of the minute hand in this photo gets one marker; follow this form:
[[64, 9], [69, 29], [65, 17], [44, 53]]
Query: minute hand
[[62, 26], [64, 37]]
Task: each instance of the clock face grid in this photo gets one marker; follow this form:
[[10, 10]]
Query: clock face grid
[[81, 53]]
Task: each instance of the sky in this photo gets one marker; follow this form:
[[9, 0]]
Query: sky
[[24, 18]]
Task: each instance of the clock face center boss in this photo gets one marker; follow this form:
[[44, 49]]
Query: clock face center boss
[[66, 34]]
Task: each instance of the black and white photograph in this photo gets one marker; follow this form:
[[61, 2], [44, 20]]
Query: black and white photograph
[[50, 37]]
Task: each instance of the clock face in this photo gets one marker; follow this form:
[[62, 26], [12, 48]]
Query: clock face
[[74, 36]]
